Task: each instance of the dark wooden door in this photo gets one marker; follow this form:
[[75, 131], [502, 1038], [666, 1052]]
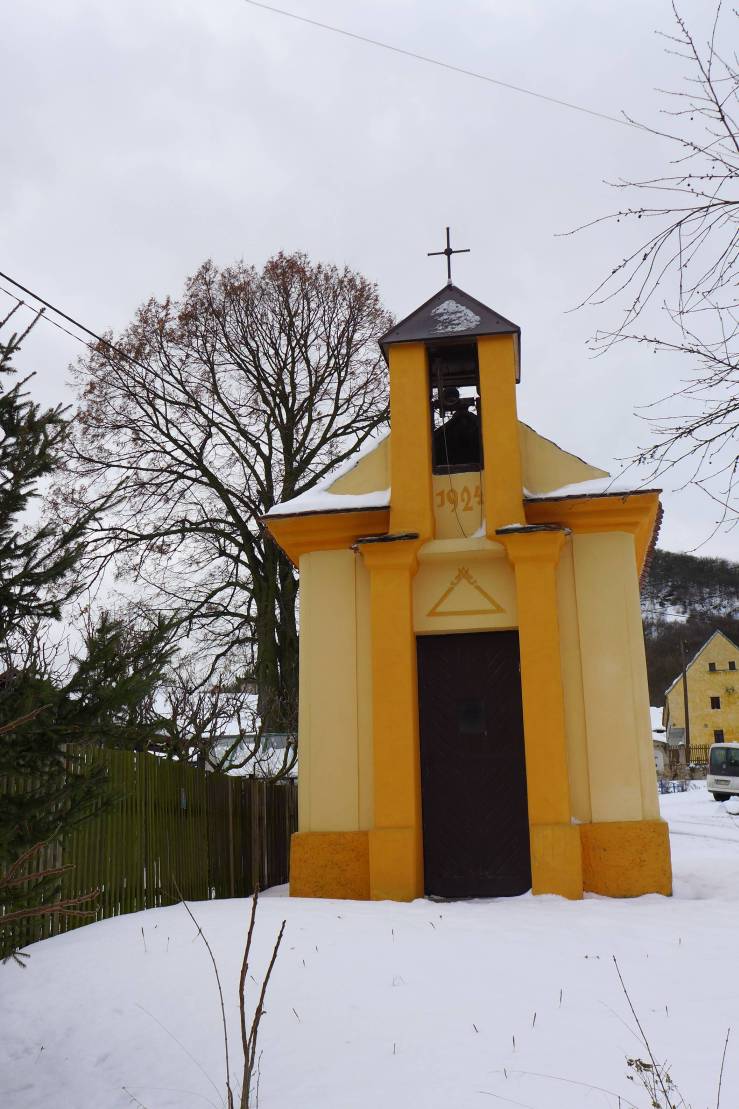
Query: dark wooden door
[[473, 772]]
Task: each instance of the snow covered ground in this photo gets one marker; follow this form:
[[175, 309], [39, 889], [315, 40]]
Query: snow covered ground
[[510, 1002]]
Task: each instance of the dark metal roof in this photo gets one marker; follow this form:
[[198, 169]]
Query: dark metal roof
[[449, 315]]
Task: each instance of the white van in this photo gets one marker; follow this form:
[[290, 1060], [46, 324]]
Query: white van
[[723, 770]]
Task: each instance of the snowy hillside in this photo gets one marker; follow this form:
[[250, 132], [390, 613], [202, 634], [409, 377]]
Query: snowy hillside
[[681, 585], [685, 598], [441, 1006]]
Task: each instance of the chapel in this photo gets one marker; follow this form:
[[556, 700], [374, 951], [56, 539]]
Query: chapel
[[474, 712]]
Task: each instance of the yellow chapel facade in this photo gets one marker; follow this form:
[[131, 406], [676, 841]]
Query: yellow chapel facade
[[474, 713]]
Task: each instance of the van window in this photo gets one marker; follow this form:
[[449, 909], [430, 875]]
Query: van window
[[725, 760]]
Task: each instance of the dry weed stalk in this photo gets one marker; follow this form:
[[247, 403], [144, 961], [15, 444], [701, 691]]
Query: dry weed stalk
[[654, 1076], [248, 1039], [249, 1042]]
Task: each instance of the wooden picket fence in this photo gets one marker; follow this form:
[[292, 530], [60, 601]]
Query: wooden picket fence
[[170, 828], [699, 753], [698, 758]]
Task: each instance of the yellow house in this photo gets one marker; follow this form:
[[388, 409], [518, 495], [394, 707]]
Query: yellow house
[[474, 713], [713, 694]]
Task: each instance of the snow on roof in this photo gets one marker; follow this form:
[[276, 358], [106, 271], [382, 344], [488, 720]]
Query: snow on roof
[[594, 487], [321, 500], [451, 316]]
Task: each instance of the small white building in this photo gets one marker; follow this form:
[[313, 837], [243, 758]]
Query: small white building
[[659, 742]]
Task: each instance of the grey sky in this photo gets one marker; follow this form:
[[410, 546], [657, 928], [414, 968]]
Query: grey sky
[[142, 137]]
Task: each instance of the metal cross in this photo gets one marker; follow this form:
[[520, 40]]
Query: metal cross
[[448, 252]]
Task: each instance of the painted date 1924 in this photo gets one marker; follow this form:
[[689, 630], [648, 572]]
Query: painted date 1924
[[467, 498]]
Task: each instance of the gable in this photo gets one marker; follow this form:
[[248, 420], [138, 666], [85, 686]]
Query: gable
[[720, 645], [547, 467], [369, 474], [718, 648]]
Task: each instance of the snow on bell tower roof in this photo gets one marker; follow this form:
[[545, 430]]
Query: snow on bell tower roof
[[451, 315]]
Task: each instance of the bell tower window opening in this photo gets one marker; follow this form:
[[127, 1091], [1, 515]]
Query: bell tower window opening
[[454, 394]]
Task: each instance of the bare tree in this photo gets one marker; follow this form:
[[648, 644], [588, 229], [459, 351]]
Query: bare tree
[[243, 393], [676, 291], [216, 724]]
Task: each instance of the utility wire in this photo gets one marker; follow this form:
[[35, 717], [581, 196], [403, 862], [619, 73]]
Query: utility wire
[[70, 319], [442, 65], [42, 315], [359, 38]]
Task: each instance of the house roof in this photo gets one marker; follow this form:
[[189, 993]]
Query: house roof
[[700, 650], [451, 314]]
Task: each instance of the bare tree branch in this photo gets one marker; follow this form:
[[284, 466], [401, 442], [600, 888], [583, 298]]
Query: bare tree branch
[[681, 280]]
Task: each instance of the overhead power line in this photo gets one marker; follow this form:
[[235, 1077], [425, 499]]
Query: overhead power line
[[70, 319], [42, 315], [40, 299], [441, 64]]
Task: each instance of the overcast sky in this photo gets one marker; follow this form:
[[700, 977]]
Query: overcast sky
[[140, 138]]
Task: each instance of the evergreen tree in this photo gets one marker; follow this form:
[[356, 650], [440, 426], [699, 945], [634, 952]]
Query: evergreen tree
[[104, 699], [35, 563], [102, 694]]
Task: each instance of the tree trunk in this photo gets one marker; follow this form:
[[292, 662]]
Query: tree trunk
[[276, 671]]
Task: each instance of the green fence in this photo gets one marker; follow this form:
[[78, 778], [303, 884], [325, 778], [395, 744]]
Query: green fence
[[170, 826]]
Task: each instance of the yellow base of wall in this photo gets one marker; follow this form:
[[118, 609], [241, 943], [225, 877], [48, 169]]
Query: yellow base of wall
[[396, 864], [385, 864], [626, 858], [556, 860], [330, 864]]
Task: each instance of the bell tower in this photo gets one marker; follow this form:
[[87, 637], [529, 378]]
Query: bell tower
[[454, 365]]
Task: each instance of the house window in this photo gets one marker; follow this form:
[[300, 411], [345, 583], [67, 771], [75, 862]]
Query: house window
[[718, 735], [732, 664], [712, 666], [715, 702]]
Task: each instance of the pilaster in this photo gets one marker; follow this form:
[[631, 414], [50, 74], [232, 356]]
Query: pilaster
[[412, 504], [502, 476], [395, 841], [556, 862]]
